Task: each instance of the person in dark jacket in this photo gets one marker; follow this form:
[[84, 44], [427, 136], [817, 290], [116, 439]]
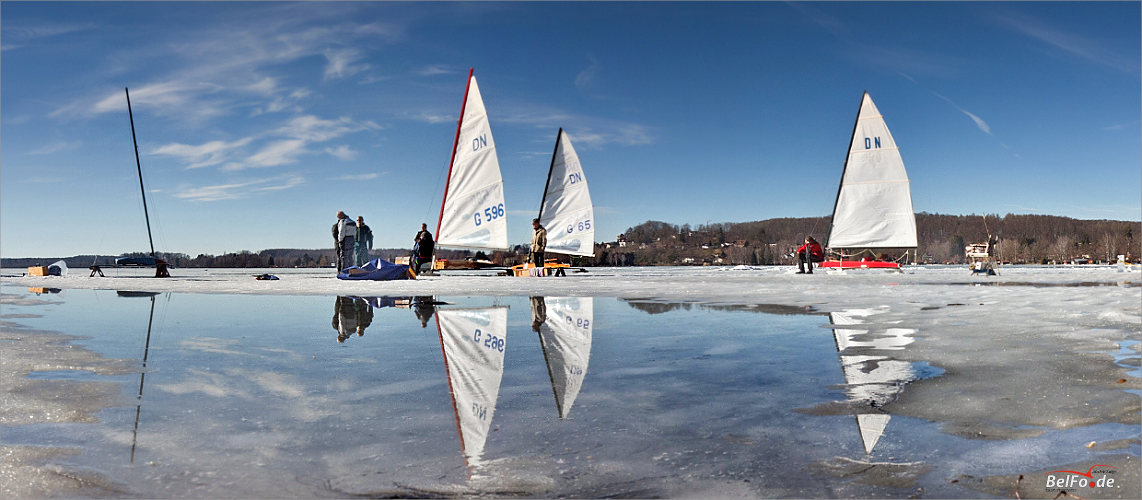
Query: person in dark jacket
[[807, 254], [422, 249], [363, 243]]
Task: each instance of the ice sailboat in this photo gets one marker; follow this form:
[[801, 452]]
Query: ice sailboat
[[472, 214], [565, 211], [873, 225], [160, 265], [473, 343], [565, 336]]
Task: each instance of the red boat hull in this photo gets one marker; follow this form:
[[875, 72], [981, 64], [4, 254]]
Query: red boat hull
[[856, 264]]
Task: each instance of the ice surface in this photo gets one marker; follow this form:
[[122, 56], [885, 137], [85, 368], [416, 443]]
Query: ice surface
[[700, 380]]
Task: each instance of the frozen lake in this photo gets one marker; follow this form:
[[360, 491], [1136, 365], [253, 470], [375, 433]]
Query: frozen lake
[[648, 382]]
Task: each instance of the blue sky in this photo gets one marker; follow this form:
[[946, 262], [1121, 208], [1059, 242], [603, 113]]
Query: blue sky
[[257, 121]]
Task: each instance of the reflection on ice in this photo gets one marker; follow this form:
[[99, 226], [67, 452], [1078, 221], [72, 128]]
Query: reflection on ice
[[473, 342], [351, 315], [565, 335], [354, 314], [682, 403], [871, 378]]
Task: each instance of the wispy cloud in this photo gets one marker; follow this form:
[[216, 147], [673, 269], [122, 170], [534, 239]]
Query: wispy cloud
[[168, 98], [982, 125], [1074, 44], [433, 117], [56, 147], [1122, 126], [16, 37], [281, 146], [434, 69], [359, 177], [44, 180], [203, 155], [241, 189], [1027, 209], [830, 23], [341, 63], [590, 132], [586, 78], [229, 68], [343, 152], [978, 121]]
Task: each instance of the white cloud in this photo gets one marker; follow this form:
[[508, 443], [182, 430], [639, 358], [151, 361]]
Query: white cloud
[[236, 190], [343, 152], [587, 77], [281, 152], [34, 32], [433, 118], [56, 147], [283, 145], [978, 121], [1071, 43], [204, 155], [358, 177], [434, 69], [341, 64], [588, 131]]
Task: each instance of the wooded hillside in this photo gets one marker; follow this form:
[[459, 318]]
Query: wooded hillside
[[1023, 239], [1035, 239]]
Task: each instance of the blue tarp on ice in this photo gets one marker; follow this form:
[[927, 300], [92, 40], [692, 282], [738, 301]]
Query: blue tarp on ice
[[375, 270]]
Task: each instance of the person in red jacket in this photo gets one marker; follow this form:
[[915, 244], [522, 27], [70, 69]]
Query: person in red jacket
[[807, 254]]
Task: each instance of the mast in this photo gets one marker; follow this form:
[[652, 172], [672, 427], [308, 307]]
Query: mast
[[452, 162], [840, 185], [142, 377], [140, 169], [549, 170]]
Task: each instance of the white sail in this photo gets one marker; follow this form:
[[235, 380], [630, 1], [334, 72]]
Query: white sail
[[874, 202], [566, 341], [473, 343], [567, 212], [473, 214]]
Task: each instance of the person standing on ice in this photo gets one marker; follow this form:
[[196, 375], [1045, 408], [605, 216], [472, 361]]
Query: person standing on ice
[[364, 242], [538, 243], [346, 235], [807, 254], [422, 248]]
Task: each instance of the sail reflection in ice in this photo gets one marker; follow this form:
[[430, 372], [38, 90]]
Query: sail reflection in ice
[[872, 379], [564, 325], [473, 342]]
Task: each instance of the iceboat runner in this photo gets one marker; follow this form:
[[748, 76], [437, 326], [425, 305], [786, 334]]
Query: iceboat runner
[[565, 210], [472, 214], [873, 225]]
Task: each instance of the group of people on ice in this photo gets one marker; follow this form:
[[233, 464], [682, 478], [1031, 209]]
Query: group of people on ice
[[353, 241]]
